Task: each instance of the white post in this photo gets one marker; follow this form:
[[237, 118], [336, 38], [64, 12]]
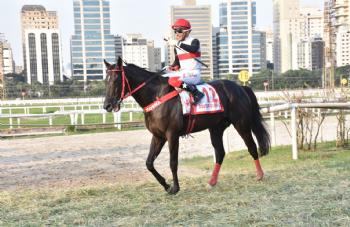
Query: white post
[[10, 110], [76, 118], [104, 117], [319, 119], [119, 120], [115, 115], [82, 118], [11, 122], [44, 109], [273, 130], [130, 116], [19, 122], [28, 111], [0, 110], [294, 132], [50, 120], [286, 114], [71, 119], [226, 144]]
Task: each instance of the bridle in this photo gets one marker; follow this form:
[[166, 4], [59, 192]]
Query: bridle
[[123, 96]]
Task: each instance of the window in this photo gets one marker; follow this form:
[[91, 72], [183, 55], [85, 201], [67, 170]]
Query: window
[[32, 57], [77, 49], [91, 15], [91, 21], [91, 9], [77, 15], [76, 9], [90, 3], [92, 54], [94, 71], [52, 14], [106, 15], [93, 48], [93, 43], [92, 26], [110, 53]]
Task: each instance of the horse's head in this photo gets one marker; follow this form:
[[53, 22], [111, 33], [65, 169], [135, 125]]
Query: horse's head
[[113, 82]]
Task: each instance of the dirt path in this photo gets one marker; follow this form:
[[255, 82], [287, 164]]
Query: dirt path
[[93, 159]]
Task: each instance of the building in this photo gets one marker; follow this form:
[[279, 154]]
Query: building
[[200, 19], [9, 66], [342, 13], [239, 45], [263, 61], [286, 29], [118, 43], [317, 53], [44, 56], [215, 41], [157, 56], [167, 48], [311, 22], [343, 46], [304, 55], [36, 17], [91, 41], [18, 69], [269, 44]]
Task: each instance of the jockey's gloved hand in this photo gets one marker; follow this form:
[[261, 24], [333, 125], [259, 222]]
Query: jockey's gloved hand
[[172, 42], [166, 69]]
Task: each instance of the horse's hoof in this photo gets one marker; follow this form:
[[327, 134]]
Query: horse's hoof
[[209, 187], [260, 178], [169, 189], [172, 191]]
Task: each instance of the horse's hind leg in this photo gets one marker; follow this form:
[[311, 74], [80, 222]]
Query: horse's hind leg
[[216, 133], [156, 146], [243, 127]]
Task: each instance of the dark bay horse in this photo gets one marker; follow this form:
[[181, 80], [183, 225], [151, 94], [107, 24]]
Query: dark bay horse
[[167, 122]]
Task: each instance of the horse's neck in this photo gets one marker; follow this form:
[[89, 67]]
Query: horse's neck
[[146, 94]]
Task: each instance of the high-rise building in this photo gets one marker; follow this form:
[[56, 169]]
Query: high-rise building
[[342, 13], [167, 48], [343, 46], [118, 42], [43, 49], [18, 69], [286, 29], [311, 22], [215, 41], [239, 45], [200, 18], [317, 48], [8, 59], [92, 40], [269, 43], [36, 17], [157, 56], [304, 55], [263, 62]]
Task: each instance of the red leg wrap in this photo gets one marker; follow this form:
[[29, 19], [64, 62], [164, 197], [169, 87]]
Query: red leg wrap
[[259, 171], [214, 176]]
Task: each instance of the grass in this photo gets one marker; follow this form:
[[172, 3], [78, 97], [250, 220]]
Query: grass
[[310, 191]]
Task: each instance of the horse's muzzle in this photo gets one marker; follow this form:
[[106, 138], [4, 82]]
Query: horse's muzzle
[[112, 108]]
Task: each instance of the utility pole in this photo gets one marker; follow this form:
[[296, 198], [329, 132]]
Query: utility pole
[[2, 71]]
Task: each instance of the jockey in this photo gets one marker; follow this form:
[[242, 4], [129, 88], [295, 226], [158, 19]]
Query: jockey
[[190, 73]]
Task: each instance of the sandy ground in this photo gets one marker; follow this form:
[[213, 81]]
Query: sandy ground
[[106, 158]]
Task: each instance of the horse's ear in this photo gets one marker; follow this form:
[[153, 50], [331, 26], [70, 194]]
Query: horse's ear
[[106, 63], [120, 63]]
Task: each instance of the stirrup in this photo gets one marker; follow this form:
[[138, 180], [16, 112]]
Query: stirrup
[[197, 98]]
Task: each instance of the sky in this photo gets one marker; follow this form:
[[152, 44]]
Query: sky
[[147, 17]]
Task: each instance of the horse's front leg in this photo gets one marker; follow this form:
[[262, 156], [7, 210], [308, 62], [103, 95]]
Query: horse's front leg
[[173, 141], [156, 146]]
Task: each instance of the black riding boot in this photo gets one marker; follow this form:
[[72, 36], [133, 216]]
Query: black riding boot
[[197, 95]]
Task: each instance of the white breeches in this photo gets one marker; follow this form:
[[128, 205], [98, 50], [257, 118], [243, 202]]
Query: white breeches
[[190, 77]]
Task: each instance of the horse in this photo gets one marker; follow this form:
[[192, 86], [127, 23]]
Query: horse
[[167, 122]]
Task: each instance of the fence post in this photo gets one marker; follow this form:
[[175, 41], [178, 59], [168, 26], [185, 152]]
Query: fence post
[[319, 119], [119, 120], [19, 122], [82, 118], [104, 117], [130, 116], [273, 130], [294, 132], [11, 122], [115, 115], [50, 120], [71, 119], [286, 114]]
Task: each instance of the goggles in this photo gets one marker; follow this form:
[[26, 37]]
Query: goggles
[[180, 30]]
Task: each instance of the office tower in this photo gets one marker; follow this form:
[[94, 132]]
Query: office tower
[[215, 41], [269, 44], [311, 22], [18, 69], [157, 56], [118, 43], [239, 46], [139, 51], [343, 45], [8, 66], [167, 48], [91, 41], [286, 29], [304, 55], [317, 48], [200, 19], [341, 13], [43, 51], [263, 61], [36, 17]]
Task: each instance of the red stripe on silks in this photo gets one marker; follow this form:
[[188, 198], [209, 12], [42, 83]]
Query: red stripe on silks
[[160, 101], [189, 56], [175, 82], [214, 176], [259, 171]]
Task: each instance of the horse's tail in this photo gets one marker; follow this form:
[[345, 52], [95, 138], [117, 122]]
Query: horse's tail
[[259, 127]]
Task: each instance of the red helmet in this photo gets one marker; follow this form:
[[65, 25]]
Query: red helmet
[[182, 23]]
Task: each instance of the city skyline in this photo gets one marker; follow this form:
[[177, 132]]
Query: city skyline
[[139, 19]]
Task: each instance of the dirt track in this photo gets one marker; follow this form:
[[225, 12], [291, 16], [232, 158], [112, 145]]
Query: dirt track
[[84, 160]]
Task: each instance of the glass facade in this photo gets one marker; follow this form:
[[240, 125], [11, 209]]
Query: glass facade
[[239, 43], [44, 57], [92, 21], [32, 57]]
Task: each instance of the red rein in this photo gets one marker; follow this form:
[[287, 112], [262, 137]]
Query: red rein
[[125, 79]]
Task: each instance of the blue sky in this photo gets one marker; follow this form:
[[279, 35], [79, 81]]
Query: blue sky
[[148, 17]]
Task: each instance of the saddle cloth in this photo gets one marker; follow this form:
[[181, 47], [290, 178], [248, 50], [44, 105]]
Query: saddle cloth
[[210, 103]]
